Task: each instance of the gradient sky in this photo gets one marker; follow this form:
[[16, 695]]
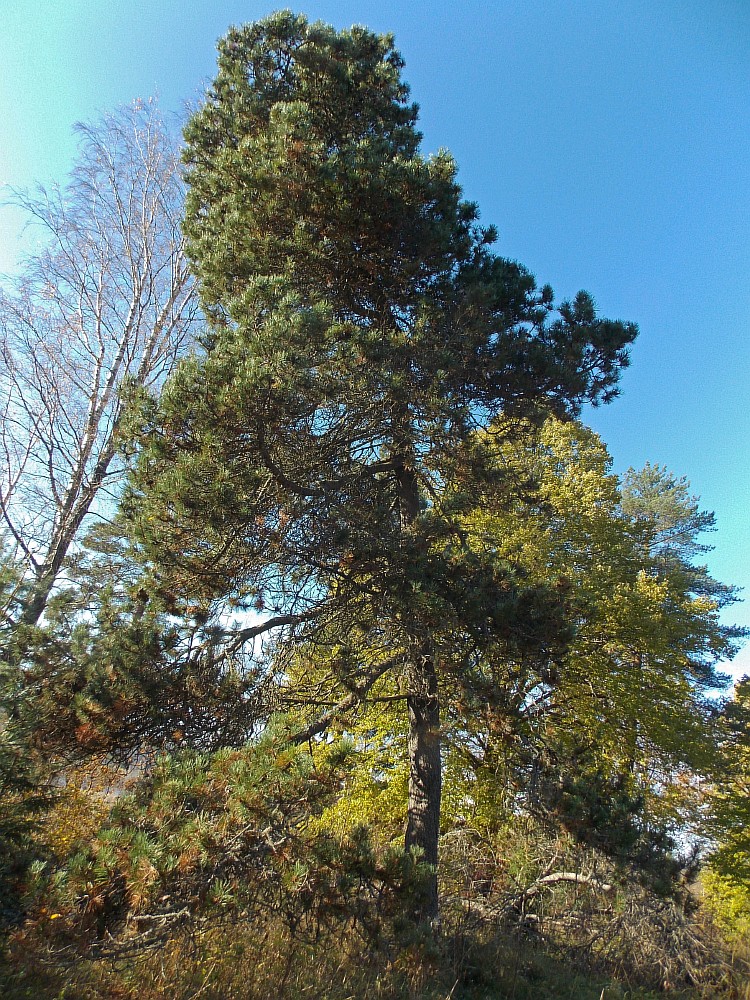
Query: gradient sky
[[608, 141]]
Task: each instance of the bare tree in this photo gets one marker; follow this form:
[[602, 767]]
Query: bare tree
[[108, 299]]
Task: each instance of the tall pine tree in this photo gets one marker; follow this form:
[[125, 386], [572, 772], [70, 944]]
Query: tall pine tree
[[362, 331]]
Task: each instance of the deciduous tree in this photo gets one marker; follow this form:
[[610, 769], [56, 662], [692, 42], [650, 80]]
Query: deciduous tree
[[629, 711], [107, 299]]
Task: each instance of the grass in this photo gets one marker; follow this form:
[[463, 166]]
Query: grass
[[257, 963]]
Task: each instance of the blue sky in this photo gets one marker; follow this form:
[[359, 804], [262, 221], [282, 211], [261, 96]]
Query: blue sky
[[608, 141]]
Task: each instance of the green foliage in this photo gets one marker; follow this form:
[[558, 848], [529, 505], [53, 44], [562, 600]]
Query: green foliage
[[539, 939], [361, 323], [607, 736], [25, 795], [628, 699], [730, 798], [232, 832], [366, 550], [25, 790], [110, 671], [729, 901], [603, 813]]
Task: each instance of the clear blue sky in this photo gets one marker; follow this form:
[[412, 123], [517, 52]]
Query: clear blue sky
[[608, 141]]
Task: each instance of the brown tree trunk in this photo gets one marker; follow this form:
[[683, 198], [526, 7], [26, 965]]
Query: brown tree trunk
[[37, 602], [425, 779], [424, 746]]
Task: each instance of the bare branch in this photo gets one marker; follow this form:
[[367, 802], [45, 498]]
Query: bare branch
[[350, 701], [108, 298]]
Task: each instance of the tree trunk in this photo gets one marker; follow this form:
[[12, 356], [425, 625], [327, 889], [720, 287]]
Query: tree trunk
[[46, 577], [425, 779], [34, 607], [424, 746]]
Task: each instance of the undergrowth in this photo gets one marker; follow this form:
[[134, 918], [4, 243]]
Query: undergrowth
[[470, 959], [209, 881]]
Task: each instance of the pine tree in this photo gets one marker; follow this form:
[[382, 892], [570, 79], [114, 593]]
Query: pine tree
[[362, 330]]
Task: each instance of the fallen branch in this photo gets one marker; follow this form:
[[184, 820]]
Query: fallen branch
[[504, 907], [557, 877]]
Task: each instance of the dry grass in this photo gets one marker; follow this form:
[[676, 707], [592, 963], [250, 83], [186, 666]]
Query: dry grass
[[471, 961]]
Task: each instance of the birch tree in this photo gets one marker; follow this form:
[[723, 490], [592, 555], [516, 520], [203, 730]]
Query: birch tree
[[107, 299]]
